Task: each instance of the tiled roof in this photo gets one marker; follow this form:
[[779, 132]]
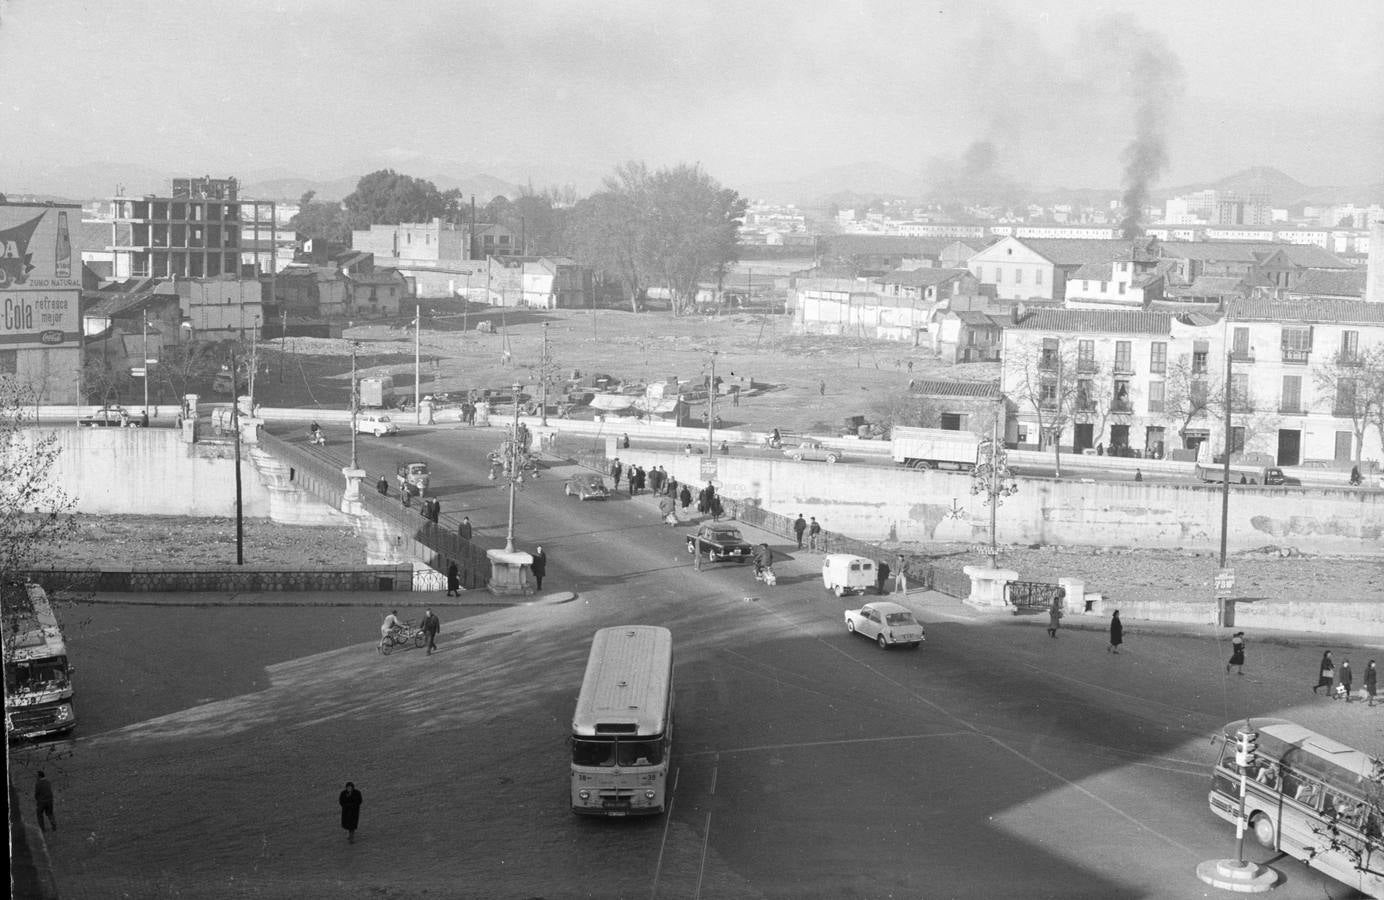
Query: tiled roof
[[884, 245], [1076, 251], [1092, 272], [1103, 320], [1216, 285], [976, 317], [1323, 310], [986, 390], [1331, 283], [1305, 255], [925, 277]]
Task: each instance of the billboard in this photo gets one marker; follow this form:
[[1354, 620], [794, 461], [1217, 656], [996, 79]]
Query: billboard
[[40, 276]]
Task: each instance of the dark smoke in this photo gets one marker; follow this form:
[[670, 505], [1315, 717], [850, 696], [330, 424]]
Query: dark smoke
[[980, 158], [1155, 83]]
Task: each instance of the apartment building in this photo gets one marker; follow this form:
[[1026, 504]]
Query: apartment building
[[195, 232]]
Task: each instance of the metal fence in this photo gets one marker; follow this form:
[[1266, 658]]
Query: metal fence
[[1033, 596]]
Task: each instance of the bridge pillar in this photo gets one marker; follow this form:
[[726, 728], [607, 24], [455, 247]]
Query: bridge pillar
[[507, 576], [987, 585], [350, 500]]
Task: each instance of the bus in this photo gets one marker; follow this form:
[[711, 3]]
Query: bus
[[622, 729], [1309, 797], [1241, 473], [38, 680]]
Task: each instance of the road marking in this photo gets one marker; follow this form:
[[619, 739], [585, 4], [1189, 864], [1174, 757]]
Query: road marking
[[706, 841], [797, 745], [663, 844]]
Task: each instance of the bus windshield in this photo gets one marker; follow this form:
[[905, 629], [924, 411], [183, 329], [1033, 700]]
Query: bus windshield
[[610, 753]]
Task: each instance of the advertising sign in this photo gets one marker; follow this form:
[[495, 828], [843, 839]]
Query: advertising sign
[[40, 276]]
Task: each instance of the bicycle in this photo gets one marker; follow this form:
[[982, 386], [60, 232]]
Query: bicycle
[[402, 638]]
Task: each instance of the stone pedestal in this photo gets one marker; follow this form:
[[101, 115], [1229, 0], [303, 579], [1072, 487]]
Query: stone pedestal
[[987, 585], [1074, 598], [508, 575], [350, 500], [250, 430]]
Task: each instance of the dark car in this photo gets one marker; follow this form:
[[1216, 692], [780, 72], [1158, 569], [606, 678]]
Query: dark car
[[719, 543], [586, 487], [110, 417]]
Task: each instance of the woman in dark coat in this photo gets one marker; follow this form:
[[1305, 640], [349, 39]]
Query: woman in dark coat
[[1237, 653], [1326, 674], [350, 810], [453, 581], [685, 497], [1116, 633], [1347, 681], [1371, 682]]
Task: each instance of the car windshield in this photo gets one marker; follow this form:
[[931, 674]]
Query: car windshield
[[727, 534], [900, 618]]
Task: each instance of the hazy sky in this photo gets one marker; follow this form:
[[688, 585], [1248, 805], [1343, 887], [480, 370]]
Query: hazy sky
[[753, 91]]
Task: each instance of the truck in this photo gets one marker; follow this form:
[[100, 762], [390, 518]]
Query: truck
[[377, 391], [935, 448], [38, 678]]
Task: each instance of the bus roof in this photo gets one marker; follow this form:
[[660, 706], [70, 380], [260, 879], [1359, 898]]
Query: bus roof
[[1308, 751], [31, 627], [628, 681]]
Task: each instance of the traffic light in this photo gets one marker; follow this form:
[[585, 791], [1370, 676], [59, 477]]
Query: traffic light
[[1246, 747]]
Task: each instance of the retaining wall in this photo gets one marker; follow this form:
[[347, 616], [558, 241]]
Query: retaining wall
[[247, 580]]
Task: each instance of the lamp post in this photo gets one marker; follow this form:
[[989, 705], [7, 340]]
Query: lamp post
[[355, 394], [511, 463], [417, 367], [543, 380], [711, 410], [992, 478]]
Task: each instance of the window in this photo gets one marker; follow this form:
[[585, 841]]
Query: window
[[1085, 394], [1239, 392], [1345, 398], [1123, 364], [1158, 357], [1239, 346], [1038, 277], [1047, 394], [1350, 347], [999, 274], [1122, 287], [1297, 343], [9, 362], [1237, 439], [1292, 394], [1049, 358], [1121, 401], [1018, 276], [1156, 389], [1201, 351], [1102, 287], [1086, 356], [1198, 393]]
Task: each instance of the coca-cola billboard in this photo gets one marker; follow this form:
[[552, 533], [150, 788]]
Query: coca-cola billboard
[[40, 275]]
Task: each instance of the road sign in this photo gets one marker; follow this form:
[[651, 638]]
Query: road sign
[[708, 468], [1225, 581], [137, 371]]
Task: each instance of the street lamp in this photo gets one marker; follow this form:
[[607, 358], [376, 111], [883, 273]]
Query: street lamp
[[543, 380], [510, 463], [711, 409], [355, 395], [992, 478]]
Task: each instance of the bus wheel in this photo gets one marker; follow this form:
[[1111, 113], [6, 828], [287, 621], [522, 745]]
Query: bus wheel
[[1263, 830]]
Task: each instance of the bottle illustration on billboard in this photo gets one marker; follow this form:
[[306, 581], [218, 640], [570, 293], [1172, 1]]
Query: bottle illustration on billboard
[[62, 253]]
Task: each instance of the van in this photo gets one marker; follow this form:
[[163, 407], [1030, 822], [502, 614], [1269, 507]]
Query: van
[[1242, 474], [846, 573], [378, 424]]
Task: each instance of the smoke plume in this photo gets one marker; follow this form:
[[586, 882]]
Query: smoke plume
[[1154, 84]]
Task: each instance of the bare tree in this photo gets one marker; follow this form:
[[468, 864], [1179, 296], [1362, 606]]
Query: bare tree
[[904, 408], [1355, 384], [187, 364], [1045, 375], [34, 511], [1195, 393]]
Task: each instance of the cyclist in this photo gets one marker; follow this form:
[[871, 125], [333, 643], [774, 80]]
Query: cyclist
[[391, 625], [315, 434]]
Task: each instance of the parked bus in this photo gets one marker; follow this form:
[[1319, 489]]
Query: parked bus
[[622, 729], [38, 680], [1309, 797], [1241, 473]]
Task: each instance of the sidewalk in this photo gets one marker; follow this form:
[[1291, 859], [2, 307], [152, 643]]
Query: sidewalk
[[374, 599]]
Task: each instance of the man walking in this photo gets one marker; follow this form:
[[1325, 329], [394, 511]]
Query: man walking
[[814, 535], [43, 800], [900, 576], [464, 529], [539, 566], [431, 626], [1054, 617], [881, 576], [350, 800], [1237, 653], [799, 526], [615, 470]]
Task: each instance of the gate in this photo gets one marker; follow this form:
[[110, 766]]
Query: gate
[[1033, 596]]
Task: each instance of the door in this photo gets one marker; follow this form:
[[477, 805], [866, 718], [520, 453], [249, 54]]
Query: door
[[1119, 438], [1289, 447], [1083, 436], [1345, 443]]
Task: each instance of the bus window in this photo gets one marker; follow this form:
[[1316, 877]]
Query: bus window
[[593, 753], [1309, 794], [641, 753]]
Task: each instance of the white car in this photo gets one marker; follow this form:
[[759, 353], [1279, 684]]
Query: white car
[[377, 424], [887, 624], [813, 450]]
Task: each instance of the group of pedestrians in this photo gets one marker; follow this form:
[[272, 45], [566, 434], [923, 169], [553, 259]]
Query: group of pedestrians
[[1340, 683], [812, 529]]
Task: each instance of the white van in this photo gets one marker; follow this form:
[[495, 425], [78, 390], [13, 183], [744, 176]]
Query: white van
[[378, 424], [846, 573]]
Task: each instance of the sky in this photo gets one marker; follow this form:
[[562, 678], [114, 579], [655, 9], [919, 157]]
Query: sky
[[1047, 93]]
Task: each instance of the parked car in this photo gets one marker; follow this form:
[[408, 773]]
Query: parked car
[[846, 573], [587, 487], [109, 417], [814, 450], [719, 543], [378, 424], [887, 624]]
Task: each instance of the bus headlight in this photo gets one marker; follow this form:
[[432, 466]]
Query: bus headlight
[[64, 713], [648, 795], [584, 794]]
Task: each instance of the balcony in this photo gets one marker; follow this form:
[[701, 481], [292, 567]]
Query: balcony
[[1291, 409], [1123, 367], [1296, 357], [1242, 356], [1086, 365], [1349, 360], [1121, 406]]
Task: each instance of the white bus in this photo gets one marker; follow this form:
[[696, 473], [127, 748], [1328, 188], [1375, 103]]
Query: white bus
[[622, 729], [38, 679], [1309, 797]]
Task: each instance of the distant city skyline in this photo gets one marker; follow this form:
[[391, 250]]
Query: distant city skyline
[[560, 93]]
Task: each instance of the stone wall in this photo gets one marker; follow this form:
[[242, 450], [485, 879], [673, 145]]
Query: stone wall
[[256, 580]]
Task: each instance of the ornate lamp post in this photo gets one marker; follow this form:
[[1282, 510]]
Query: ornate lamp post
[[992, 480], [512, 463]]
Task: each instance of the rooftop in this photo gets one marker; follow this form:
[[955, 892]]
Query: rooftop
[[1093, 320]]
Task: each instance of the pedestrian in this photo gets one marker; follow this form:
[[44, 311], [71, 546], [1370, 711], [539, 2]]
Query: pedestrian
[[1237, 653], [1138, 475], [822, 389], [453, 581], [1355, 476], [1054, 617], [432, 625], [799, 526], [1116, 633], [539, 566], [717, 510], [382, 486], [1345, 681], [632, 478], [406, 494], [881, 576], [814, 535], [640, 479], [625, 441], [43, 801], [1326, 674], [464, 529], [685, 497], [350, 811], [615, 470], [1371, 682], [900, 576], [667, 510], [735, 398]]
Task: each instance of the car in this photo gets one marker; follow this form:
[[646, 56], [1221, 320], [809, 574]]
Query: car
[[413, 477], [110, 417], [813, 450], [719, 543], [887, 624], [378, 424], [587, 487]]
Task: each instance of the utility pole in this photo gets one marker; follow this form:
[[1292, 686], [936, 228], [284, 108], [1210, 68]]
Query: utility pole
[[515, 471], [254, 362], [144, 350], [711, 409], [417, 367], [1225, 468], [355, 394], [239, 502], [283, 338], [543, 376]]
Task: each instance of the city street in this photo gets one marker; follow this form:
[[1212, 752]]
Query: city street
[[992, 762]]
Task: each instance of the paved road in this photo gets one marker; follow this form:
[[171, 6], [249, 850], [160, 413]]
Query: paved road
[[992, 762]]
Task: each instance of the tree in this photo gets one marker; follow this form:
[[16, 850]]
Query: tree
[[1195, 392], [329, 221], [604, 233], [34, 510], [185, 365], [533, 217], [102, 382], [905, 408], [1355, 386], [388, 198], [1046, 376]]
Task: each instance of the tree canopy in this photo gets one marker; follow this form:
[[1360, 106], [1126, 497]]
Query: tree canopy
[[34, 510], [388, 198], [321, 219], [672, 227]]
